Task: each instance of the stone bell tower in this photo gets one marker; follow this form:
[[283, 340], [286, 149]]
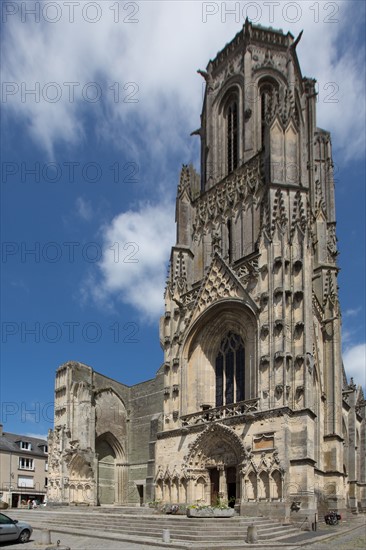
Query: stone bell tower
[[251, 331]]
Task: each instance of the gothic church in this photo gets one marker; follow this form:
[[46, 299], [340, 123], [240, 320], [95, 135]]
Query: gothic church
[[252, 403]]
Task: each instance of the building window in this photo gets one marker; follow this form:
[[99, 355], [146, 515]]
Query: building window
[[46, 466], [26, 463], [25, 446], [46, 481], [43, 448], [232, 136], [266, 93], [230, 365], [268, 90], [25, 481], [230, 241]]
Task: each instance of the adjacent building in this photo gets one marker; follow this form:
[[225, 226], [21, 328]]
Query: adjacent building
[[252, 404], [23, 468]]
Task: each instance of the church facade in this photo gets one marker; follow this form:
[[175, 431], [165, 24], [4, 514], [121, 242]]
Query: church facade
[[252, 404]]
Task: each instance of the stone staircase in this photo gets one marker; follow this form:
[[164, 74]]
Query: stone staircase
[[140, 522]]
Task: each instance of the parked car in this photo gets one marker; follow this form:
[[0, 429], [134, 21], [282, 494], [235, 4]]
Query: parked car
[[12, 529]]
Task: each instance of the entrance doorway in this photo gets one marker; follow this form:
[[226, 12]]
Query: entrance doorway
[[140, 490], [231, 485], [106, 473], [230, 476], [214, 478], [217, 455]]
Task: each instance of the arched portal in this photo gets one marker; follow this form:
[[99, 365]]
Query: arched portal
[[112, 470], [214, 461], [106, 472], [81, 479]]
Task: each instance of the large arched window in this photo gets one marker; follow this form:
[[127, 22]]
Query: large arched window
[[266, 95], [229, 369], [267, 88], [232, 136]]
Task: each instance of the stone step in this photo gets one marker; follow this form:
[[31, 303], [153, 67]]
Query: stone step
[[191, 524], [181, 520], [131, 510], [184, 536], [170, 519], [151, 526], [178, 535]]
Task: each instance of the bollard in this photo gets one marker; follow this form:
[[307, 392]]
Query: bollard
[[252, 533], [166, 535], [306, 525], [45, 536]]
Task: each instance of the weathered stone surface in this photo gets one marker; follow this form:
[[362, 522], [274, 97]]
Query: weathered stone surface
[[252, 403]]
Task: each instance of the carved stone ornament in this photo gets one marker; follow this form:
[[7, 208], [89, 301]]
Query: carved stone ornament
[[216, 445], [219, 203], [220, 282]]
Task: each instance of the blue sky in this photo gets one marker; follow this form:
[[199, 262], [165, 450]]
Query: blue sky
[[90, 165]]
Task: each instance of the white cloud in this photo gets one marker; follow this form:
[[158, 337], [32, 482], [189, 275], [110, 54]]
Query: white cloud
[[160, 54], [354, 359], [352, 312], [37, 436], [84, 209], [347, 336], [135, 251]]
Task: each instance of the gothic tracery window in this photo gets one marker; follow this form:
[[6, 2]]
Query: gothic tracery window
[[229, 367], [232, 136], [266, 94]]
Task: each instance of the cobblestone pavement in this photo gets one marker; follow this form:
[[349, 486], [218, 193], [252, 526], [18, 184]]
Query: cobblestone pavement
[[78, 542], [353, 540]]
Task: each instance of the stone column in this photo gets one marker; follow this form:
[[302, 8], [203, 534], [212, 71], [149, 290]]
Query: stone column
[[271, 483], [190, 491], [242, 483], [222, 482], [238, 487], [121, 482], [208, 492]]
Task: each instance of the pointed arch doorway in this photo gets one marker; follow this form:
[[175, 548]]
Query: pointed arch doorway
[[216, 456], [224, 483], [112, 470], [106, 472]]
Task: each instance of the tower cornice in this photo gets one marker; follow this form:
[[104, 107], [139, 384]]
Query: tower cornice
[[255, 35]]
